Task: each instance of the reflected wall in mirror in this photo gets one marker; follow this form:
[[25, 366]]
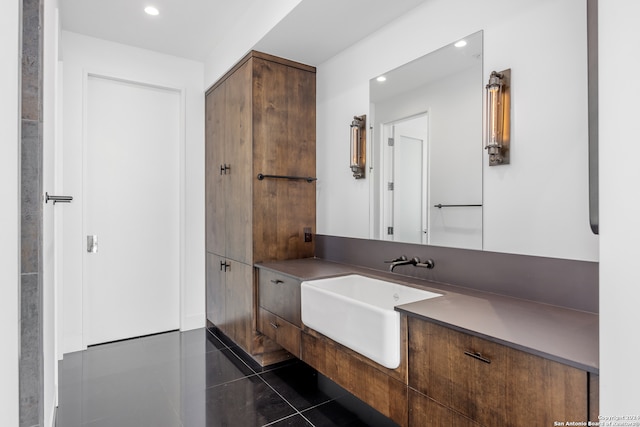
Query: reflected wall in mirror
[[427, 148]]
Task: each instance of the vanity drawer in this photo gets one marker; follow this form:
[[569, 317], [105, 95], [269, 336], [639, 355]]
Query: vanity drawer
[[426, 412], [279, 330], [280, 294], [490, 383]]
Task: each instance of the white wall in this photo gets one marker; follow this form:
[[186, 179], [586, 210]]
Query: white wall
[[83, 54], [538, 205], [9, 214], [261, 17], [619, 91]]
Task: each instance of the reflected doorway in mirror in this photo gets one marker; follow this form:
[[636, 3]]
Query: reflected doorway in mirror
[[405, 169]]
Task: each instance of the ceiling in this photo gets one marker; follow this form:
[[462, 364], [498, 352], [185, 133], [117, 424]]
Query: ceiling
[[314, 30], [186, 28], [429, 68]]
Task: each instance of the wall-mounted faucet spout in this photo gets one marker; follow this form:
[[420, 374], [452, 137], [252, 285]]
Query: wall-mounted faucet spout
[[415, 261], [401, 260]]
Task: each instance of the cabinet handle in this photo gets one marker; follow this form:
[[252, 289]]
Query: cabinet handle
[[224, 168], [276, 281], [224, 266], [275, 325], [478, 356]]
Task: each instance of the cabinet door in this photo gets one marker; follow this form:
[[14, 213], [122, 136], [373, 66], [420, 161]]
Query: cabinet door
[[216, 291], [215, 140], [239, 303], [284, 135], [238, 154], [490, 383]]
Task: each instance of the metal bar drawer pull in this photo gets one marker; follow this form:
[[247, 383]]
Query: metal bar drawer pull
[[478, 356], [57, 199]]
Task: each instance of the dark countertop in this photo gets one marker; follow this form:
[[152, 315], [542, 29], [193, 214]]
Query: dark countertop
[[560, 334]]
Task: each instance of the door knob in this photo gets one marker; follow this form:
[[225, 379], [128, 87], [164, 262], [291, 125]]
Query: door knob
[[92, 243]]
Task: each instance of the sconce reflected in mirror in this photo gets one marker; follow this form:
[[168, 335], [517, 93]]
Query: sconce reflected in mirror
[[358, 145], [498, 117]]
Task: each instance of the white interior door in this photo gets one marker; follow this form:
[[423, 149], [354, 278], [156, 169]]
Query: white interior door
[[407, 190], [131, 204], [408, 173]]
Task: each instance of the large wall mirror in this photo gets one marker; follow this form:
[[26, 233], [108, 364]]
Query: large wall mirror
[[426, 133], [431, 107]]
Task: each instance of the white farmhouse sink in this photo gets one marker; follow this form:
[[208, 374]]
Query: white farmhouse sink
[[358, 312]]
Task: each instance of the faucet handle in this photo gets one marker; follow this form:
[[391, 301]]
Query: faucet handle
[[428, 263], [400, 258]]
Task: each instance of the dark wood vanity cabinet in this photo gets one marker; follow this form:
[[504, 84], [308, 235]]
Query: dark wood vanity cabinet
[[260, 119], [279, 315], [228, 294], [459, 379], [446, 377], [383, 389]]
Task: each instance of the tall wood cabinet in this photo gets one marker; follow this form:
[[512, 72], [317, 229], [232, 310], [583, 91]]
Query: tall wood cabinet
[[260, 119]]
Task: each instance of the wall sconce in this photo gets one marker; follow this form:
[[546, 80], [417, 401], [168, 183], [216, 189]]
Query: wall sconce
[[498, 117], [358, 145]]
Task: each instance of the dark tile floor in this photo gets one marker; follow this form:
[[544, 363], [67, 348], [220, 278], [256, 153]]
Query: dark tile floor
[[192, 379]]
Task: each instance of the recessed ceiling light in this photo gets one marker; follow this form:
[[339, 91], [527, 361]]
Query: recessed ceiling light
[[150, 10], [381, 79], [461, 43]]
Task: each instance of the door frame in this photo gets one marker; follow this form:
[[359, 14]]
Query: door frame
[[385, 161], [86, 74]]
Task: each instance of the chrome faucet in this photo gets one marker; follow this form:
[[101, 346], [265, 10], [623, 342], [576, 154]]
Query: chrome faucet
[[415, 261]]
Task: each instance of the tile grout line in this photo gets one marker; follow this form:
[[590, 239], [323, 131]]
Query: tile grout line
[[225, 347], [281, 396], [258, 374], [318, 405], [171, 403], [232, 352], [307, 420], [297, 412], [282, 419]]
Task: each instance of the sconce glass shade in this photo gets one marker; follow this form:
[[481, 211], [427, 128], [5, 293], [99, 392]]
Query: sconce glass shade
[[358, 146], [498, 117]]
